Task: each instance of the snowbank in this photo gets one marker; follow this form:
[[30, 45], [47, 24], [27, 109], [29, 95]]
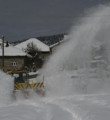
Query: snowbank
[[6, 88]]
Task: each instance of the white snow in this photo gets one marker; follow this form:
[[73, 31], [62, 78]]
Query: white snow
[[63, 107], [6, 89], [34, 73], [66, 107], [40, 45], [83, 107], [12, 51]]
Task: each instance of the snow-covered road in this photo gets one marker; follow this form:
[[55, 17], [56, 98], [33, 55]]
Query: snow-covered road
[[78, 107]]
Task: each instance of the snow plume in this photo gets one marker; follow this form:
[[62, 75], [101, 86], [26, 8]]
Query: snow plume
[[6, 88], [61, 76]]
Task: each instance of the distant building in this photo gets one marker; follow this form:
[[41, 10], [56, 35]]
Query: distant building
[[46, 46], [43, 48], [53, 47], [14, 58], [52, 39]]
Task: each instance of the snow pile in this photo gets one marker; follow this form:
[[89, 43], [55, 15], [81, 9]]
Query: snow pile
[[6, 88]]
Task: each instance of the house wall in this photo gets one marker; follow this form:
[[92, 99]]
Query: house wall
[[54, 47], [44, 55], [12, 63]]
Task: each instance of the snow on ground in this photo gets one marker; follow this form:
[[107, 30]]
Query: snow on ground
[[53, 107], [6, 88], [81, 107]]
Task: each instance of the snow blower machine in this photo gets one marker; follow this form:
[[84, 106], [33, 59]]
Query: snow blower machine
[[23, 84]]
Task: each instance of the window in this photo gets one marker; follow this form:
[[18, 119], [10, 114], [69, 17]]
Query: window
[[14, 63], [21, 77]]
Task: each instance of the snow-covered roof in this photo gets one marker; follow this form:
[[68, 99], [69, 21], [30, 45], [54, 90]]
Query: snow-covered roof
[[66, 37], [56, 44], [40, 45], [12, 51]]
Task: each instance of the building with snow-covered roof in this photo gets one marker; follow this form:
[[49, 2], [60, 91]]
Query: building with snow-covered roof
[[54, 46], [14, 58], [52, 39], [40, 45], [42, 48]]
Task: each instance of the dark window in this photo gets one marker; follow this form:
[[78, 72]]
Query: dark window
[[14, 63]]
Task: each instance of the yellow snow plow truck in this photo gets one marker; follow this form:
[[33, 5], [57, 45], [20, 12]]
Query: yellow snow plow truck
[[23, 84]]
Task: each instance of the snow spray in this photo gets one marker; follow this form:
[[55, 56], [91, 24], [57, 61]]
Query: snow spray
[[6, 88], [69, 70]]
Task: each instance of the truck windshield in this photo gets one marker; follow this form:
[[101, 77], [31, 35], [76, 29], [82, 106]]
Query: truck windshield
[[21, 77]]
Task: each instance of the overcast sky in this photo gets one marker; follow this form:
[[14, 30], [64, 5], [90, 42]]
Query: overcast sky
[[20, 19]]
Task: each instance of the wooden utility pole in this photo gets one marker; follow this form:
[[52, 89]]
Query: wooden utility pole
[[2, 52]]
